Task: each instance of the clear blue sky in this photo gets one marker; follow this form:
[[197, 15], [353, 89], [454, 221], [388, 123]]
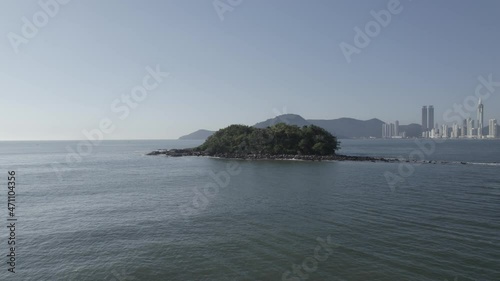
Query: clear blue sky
[[265, 56]]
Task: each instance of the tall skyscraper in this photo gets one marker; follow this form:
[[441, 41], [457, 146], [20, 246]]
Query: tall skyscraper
[[454, 131], [424, 119], [444, 131], [493, 128], [430, 118], [480, 119], [385, 131], [464, 129], [470, 128], [390, 130]]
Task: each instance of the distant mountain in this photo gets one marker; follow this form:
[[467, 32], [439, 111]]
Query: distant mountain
[[289, 119], [351, 128], [341, 128], [198, 135], [412, 130]]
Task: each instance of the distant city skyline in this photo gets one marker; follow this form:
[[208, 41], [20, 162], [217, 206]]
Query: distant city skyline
[[468, 128], [262, 57]]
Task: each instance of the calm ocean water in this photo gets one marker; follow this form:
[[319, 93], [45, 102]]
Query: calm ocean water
[[117, 214]]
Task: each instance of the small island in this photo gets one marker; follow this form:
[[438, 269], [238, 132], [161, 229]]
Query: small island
[[277, 142]]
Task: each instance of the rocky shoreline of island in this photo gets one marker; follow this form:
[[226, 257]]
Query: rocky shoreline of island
[[279, 142], [189, 152], [253, 156]]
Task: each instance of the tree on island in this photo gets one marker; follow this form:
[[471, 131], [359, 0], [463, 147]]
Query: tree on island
[[278, 139]]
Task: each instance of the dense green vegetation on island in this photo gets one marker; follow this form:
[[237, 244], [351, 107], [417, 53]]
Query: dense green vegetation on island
[[278, 139]]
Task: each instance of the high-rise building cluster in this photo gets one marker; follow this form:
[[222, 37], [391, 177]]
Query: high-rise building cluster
[[391, 130], [493, 126], [428, 127], [469, 128]]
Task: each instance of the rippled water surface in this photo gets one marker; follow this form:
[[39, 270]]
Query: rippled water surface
[[117, 214]]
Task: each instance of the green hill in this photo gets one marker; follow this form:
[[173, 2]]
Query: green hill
[[277, 139]]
